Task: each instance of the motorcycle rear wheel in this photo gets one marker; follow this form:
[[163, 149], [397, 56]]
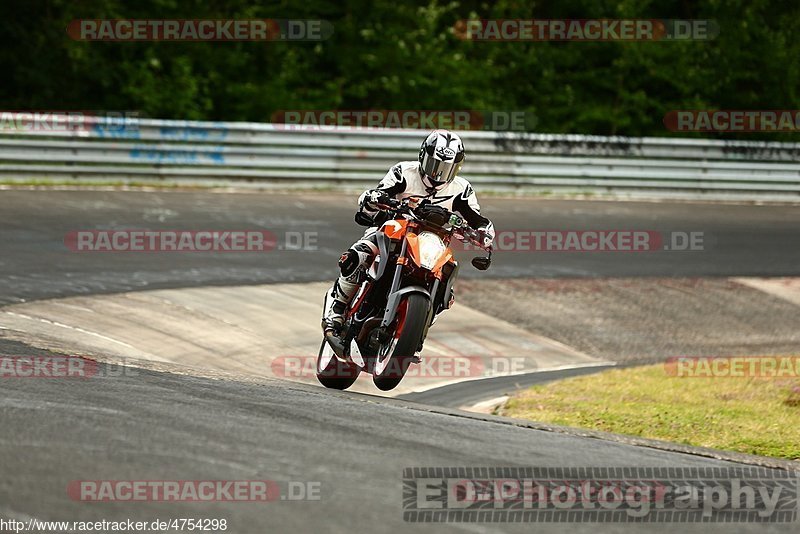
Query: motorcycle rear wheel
[[333, 373]]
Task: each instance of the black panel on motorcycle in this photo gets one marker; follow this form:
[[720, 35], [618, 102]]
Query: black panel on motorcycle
[[363, 219], [433, 214]]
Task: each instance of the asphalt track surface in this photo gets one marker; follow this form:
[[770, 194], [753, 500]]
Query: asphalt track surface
[[161, 426], [739, 240], [471, 392], [146, 425]]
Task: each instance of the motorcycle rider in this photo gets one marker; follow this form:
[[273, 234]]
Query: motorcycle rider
[[434, 178]]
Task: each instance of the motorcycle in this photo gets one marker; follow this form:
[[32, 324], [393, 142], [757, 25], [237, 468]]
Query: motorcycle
[[408, 285]]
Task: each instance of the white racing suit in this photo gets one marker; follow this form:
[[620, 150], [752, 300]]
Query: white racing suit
[[403, 180]]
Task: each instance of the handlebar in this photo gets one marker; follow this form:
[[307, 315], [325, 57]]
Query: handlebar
[[460, 229]]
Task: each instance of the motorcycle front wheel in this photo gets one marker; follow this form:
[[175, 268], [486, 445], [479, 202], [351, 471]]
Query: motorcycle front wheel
[[396, 355]]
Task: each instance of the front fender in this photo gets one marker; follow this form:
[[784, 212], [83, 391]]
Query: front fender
[[394, 301]]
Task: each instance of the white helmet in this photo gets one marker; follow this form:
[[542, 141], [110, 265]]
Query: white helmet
[[440, 158]]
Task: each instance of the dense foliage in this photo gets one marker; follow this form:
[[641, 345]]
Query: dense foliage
[[404, 55]]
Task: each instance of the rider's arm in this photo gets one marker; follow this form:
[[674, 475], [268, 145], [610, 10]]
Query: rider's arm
[[390, 186], [466, 204]]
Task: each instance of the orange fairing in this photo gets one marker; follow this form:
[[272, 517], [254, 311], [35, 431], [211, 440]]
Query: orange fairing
[[447, 256], [395, 229], [413, 247]]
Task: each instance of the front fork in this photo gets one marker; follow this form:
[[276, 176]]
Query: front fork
[[445, 304], [393, 301], [396, 293]]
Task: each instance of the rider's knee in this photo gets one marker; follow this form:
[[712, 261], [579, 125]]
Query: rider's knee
[[349, 262], [359, 256]]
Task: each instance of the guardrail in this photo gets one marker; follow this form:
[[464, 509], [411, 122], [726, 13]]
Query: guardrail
[[178, 151]]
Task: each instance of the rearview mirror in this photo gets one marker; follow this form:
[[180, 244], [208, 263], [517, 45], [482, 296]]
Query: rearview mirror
[[481, 263]]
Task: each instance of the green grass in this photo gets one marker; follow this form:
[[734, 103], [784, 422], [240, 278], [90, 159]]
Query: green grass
[[749, 415]]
